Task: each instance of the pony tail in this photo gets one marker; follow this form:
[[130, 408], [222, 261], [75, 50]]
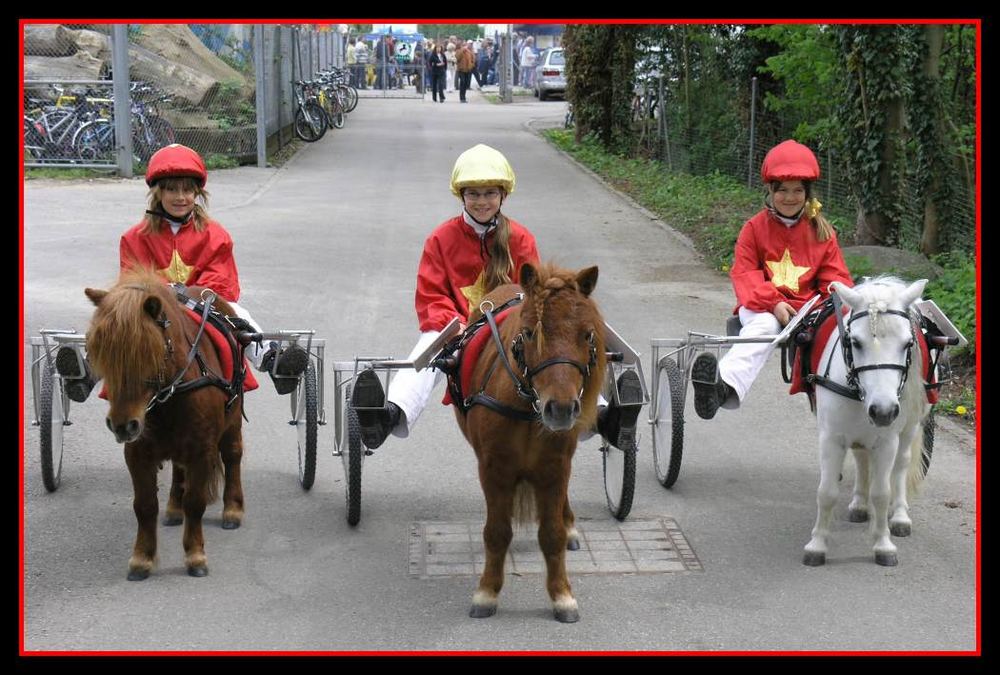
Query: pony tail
[[824, 230], [501, 263]]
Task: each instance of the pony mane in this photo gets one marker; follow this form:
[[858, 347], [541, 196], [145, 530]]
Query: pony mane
[[124, 346], [879, 292]]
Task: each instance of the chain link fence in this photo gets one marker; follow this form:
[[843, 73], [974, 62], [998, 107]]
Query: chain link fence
[[223, 89], [664, 133]]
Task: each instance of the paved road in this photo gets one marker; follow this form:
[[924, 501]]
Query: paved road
[[331, 241]]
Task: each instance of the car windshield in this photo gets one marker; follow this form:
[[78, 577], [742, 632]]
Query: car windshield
[[556, 58]]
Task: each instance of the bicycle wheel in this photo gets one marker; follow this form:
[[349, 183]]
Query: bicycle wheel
[[304, 414], [668, 430], [51, 407], [338, 117], [619, 479], [95, 141], [350, 98], [352, 454], [310, 122]]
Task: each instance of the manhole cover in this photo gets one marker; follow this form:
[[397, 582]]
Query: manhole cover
[[652, 546]]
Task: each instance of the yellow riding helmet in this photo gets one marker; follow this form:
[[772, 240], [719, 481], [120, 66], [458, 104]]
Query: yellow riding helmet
[[479, 166]]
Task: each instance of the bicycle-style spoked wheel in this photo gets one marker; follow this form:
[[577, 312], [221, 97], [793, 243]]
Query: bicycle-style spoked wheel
[[668, 429], [337, 117], [310, 122], [304, 417], [352, 454], [350, 98], [51, 415], [619, 479]]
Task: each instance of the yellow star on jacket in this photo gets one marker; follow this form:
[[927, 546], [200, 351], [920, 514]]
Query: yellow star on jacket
[[177, 271], [786, 273], [475, 292]]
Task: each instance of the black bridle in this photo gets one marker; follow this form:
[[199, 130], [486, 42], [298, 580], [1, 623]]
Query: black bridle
[[525, 387], [854, 390]]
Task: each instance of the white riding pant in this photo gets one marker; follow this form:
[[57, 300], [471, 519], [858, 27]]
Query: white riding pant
[[254, 352], [741, 364], [411, 390]]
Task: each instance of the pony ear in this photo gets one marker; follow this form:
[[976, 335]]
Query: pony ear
[[152, 306], [847, 294], [912, 292], [529, 275], [587, 279], [95, 295]]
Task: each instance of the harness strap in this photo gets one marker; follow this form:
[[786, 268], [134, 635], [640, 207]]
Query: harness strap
[[505, 410], [502, 353]]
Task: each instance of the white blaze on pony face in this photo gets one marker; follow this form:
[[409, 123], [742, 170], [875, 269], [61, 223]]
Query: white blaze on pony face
[[881, 339]]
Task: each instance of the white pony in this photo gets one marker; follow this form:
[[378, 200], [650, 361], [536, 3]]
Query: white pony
[[871, 400]]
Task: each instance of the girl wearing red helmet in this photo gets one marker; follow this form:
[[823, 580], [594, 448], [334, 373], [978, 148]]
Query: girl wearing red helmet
[[179, 240], [784, 255]]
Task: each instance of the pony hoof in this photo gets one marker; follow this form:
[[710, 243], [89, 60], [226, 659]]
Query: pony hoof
[[138, 575], [899, 529], [482, 611], [573, 544], [200, 571], [170, 521], [230, 524], [857, 516], [814, 559], [886, 559], [567, 615]]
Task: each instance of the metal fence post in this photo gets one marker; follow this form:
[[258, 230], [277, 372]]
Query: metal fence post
[[123, 99], [260, 95], [753, 119]]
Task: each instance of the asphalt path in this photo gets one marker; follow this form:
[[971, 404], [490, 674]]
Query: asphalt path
[[331, 241]]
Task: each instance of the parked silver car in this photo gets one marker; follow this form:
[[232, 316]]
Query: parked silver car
[[550, 76]]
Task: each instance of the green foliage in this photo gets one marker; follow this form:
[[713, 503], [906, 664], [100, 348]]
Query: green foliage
[[600, 73], [807, 67], [955, 293]]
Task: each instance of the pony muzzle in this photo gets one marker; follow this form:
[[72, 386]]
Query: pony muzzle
[[882, 415], [125, 432], [560, 415]]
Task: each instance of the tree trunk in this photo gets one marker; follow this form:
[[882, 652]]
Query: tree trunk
[[930, 239]]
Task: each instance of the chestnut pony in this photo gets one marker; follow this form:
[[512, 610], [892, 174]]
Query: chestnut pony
[[547, 378], [138, 342]]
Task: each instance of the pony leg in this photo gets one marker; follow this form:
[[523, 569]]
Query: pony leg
[[857, 512], [551, 501], [572, 534], [883, 456], [145, 505], [195, 500], [232, 495], [175, 511], [831, 461], [497, 535], [899, 508]]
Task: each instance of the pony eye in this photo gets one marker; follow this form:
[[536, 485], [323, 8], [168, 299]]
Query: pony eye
[[529, 333], [855, 344]]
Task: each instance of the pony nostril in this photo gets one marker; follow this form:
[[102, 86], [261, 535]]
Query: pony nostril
[[107, 421], [576, 407], [132, 428]]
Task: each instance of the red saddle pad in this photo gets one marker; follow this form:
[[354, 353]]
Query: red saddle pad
[[470, 354]]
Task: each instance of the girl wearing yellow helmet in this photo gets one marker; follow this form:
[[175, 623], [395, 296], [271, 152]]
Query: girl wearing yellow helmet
[[464, 258]]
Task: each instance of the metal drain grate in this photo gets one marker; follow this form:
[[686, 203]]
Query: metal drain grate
[[652, 546]]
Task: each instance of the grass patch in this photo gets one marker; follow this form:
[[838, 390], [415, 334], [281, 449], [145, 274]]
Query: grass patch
[[67, 173]]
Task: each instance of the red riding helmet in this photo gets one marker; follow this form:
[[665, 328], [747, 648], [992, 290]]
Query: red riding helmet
[[789, 161], [174, 161]]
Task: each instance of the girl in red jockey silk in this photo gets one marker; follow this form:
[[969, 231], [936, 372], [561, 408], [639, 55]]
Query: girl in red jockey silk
[[185, 246], [465, 258], [784, 255]]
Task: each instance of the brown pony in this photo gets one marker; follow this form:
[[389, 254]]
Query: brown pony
[[554, 341], [138, 342]]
